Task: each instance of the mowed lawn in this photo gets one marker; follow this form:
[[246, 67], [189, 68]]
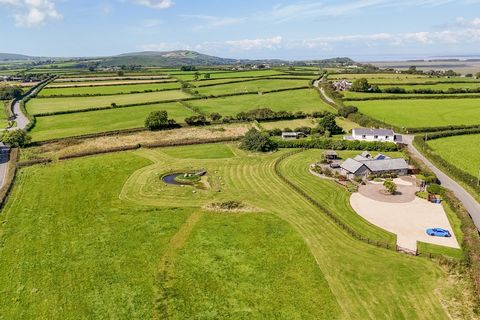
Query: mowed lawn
[[422, 113], [461, 151], [252, 86], [367, 282], [306, 100], [45, 105], [66, 125], [99, 90], [73, 250]]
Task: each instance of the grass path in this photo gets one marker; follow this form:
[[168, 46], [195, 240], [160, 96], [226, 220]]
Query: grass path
[[367, 282], [167, 264]]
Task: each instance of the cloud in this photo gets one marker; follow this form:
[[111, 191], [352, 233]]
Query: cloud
[[464, 32], [212, 21], [155, 4], [29, 13]]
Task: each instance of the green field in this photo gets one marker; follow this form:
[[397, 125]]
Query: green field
[[107, 239], [252, 86], [66, 125], [99, 90], [461, 151], [306, 100], [422, 113], [441, 86], [44, 105]]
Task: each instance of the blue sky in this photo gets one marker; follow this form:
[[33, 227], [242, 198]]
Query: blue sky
[[362, 29]]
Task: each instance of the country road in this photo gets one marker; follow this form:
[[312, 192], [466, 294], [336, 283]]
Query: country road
[[468, 201]]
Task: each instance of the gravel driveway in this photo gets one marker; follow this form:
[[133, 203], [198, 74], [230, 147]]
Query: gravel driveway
[[408, 220]]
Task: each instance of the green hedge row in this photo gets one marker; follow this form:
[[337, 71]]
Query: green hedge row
[[423, 97], [453, 132], [326, 143]]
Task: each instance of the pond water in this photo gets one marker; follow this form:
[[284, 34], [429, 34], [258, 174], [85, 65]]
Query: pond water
[[171, 179]]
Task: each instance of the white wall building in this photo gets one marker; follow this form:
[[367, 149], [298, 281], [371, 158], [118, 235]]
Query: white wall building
[[380, 135]]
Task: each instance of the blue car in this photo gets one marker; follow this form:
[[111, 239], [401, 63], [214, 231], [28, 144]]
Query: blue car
[[439, 232]]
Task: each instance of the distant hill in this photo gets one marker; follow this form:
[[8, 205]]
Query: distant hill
[[172, 59], [165, 59], [14, 56]]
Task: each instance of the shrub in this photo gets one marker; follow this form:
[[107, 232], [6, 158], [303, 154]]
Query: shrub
[[16, 138], [328, 123], [157, 120], [345, 111], [435, 189], [390, 186], [199, 120], [255, 140], [215, 116], [360, 85]]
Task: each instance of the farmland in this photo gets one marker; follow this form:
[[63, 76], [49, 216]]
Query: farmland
[[108, 90], [252, 86], [46, 105], [306, 100], [65, 125], [422, 113], [451, 149], [115, 224]]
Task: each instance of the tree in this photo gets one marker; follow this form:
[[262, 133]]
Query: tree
[[10, 92], [215, 116], [360, 85], [207, 76], [196, 76], [344, 111], [16, 138], [390, 186], [157, 120], [477, 75], [435, 189], [329, 124], [120, 73], [257, 141]]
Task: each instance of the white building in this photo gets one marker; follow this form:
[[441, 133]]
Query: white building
[[379, 135]]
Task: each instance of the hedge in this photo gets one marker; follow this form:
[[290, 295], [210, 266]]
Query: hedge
[[87, 79], [423, 97], [326, 143]]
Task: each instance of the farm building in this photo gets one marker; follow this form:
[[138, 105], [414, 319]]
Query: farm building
[[292, 135], [342, 85], [331, 155], [362, 166], [380, 135]]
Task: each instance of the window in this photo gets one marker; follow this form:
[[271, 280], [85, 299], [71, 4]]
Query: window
[[375, 137], [364, 137], [386, 137]]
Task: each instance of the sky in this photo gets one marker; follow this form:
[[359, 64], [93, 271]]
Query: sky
[[288, 29]]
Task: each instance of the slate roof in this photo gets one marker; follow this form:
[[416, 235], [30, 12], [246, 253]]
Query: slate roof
[[386, 165], [372, 132], [351, 165]]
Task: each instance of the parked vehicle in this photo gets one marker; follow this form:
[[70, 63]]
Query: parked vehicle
[[439, 232]]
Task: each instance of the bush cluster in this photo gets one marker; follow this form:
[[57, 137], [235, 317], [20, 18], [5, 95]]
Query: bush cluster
[[257, 141]]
